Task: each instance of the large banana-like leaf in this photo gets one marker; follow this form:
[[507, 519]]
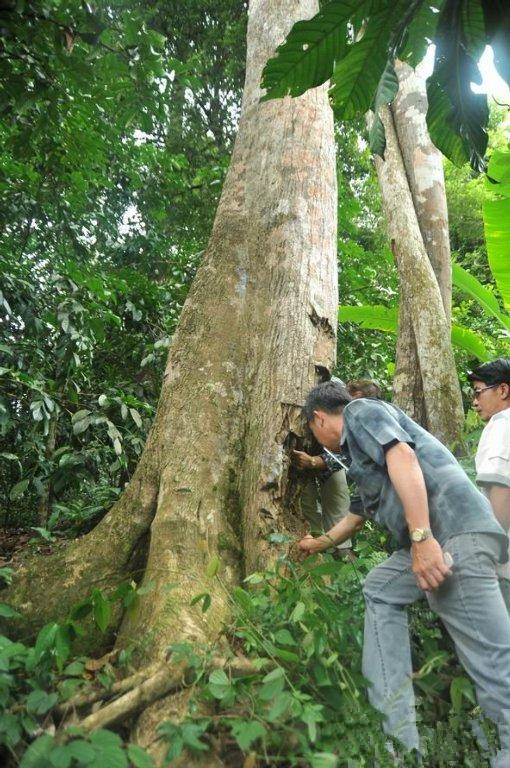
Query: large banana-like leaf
[[385, 93], [468, 283], [357, 75], [382, 318], [420, 33], [469, 341], [496, 219], [458, 117], [308, 56], [373, 316]]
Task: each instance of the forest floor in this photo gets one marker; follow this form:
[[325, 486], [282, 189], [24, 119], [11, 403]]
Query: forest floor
[[15, 540]]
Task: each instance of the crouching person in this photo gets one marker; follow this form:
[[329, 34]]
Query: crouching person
[[411, 484]]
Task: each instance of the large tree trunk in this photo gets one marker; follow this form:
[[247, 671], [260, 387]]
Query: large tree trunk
[[412, 185], [258, 323], [257, 330]]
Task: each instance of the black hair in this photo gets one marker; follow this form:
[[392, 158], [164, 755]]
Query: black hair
[[330, 396], [495, 372], [367, 388]]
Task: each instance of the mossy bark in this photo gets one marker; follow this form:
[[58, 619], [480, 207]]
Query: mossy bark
[[257, 330], [426, 383], [412, 185]]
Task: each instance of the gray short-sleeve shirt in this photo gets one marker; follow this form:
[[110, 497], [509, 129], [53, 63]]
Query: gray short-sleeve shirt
[[456, 506]]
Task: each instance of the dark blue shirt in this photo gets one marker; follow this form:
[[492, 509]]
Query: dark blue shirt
[[456, 506]]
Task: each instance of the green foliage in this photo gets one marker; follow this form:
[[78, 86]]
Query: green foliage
[[458, 117], [36, 679], [358, 74], [302, 702], [307, 57], [496, 214], [352, 46], [386, 319], [117, 122]]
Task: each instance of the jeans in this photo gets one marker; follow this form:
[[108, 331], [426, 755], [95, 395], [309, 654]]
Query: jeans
[[472, 609], [325, 502]]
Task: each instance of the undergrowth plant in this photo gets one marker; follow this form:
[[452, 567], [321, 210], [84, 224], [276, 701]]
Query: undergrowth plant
[[300, 702]]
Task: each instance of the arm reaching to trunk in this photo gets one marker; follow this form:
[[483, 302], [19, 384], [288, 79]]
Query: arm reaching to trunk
[[340, 532]]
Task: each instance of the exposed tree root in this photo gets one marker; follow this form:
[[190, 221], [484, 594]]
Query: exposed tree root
[[166, 680], [139, 691], [45, 588], [87, 698]]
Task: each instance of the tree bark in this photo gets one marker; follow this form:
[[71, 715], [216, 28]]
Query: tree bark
[[258, 323], [426, 383], [415, 165], [257, 330], [424, 170]]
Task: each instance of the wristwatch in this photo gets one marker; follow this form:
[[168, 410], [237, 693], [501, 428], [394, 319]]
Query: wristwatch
[[420, 534]]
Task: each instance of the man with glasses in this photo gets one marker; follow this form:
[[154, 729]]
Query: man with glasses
[[491, 400], [412, 485]]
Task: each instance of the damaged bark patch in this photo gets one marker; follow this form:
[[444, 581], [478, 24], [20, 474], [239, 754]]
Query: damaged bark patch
[[322, 323]]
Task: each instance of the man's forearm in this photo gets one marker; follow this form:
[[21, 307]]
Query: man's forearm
[[407, 479], [499, 497], [342, 531]]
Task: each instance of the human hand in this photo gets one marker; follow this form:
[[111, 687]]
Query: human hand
[[303, 460], [310, 545], [429, 565]]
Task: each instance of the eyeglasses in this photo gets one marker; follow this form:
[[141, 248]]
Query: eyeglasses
[[478, 392]]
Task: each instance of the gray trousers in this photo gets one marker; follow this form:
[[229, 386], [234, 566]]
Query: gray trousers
[[325, 502], [471, 607]]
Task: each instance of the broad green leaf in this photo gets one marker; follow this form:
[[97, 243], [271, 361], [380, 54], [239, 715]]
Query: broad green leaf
[[324, 760], [284, 637], [8, 612], [473, 24], [468, 283], [279, 707], [376, 316], [420, 33], [219, 684], [19, 489], [386, 92], [45, 640], [61, 757], [357, 75], [386, 319], [38, 753], [139, 757], [204, 598], [101, 609], [457, 117], [191, 733], [496, 218], [441, 126], [469, 341], [460, 688], [307, 58], [272, 684], [298, 612], [39, 702], [213, 567], [82, 751], [245, 733]]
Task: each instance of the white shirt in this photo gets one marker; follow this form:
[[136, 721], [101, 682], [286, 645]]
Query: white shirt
[[493, 461]]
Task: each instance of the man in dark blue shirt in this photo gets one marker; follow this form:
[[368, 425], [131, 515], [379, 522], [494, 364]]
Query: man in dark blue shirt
[[411, 484]]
